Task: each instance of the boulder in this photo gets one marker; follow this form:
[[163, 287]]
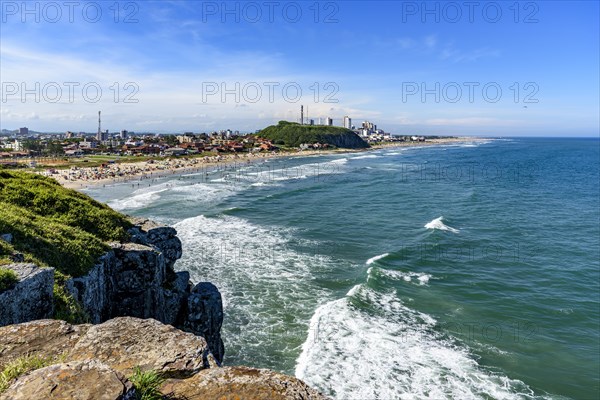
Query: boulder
[[31, 298], [233, 383], [124, 343], [80, 380]]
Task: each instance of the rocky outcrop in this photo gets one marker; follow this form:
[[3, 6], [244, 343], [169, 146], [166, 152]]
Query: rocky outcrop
[[124, 343], [94, 362], [241, 383], [138, 279], [31, 297], [135, 279]]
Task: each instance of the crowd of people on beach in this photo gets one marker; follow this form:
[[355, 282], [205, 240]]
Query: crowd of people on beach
[[112, 172]]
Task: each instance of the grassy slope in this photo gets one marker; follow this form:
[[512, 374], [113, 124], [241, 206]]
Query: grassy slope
[[54, 226], [293, 134]]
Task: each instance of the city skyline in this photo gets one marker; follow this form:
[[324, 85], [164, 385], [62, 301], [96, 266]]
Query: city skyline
[[181, 66]]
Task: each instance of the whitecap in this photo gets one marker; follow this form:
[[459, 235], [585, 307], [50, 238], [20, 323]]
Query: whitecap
[[379, 257], [263, 278], [138, 199], [420, 277], [438, 224], [366, 156]]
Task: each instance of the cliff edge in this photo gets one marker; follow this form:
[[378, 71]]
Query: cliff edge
[[135, 279], [101, 362]]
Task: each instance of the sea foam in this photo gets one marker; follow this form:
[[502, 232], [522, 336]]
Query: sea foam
[[264, 279], [388, 351]]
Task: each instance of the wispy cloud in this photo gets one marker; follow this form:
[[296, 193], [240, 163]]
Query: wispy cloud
[[455, 55]]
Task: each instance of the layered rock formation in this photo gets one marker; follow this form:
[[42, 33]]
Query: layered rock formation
[[134, 279], [95, 361], [31, 298]]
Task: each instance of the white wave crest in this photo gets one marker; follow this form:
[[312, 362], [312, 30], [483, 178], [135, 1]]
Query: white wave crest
[[379, 257], [263, 279], [138, 199], [389, 351], [438, 224], [420, 277]]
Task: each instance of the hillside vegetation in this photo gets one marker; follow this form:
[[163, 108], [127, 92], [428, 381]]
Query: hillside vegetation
[[293, 135], [53, 226]]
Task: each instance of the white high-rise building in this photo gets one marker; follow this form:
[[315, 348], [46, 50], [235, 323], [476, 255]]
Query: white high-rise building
[[329, 122], [347, 122]]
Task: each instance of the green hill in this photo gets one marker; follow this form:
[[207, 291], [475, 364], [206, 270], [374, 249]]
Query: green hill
[[293, 135]]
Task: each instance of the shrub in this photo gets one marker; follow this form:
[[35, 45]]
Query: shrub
[[66, 308], [20, 366], [147, 384], [8, 278]]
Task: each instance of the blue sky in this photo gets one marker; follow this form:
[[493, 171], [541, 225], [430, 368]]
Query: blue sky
[[410, 67]]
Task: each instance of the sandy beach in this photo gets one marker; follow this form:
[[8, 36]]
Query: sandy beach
[[149, 170]]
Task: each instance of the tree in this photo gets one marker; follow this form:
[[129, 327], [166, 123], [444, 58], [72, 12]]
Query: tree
[[55, 149]]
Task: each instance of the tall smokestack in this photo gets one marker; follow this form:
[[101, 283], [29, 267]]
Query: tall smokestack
[[301, 115]]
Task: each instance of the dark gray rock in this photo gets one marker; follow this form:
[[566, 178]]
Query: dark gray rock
[[204, 316], [163, 237], [17, 258], [31, 298], [137, 279], [176, 292], [95, 290]]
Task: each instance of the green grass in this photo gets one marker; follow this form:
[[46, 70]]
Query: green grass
[[147, 384], [21, 366], [7, 279]]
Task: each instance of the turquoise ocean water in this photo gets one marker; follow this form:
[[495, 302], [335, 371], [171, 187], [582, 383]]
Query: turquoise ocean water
[[467, 271]]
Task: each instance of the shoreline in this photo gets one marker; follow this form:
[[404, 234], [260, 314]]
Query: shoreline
[[82, 178]]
